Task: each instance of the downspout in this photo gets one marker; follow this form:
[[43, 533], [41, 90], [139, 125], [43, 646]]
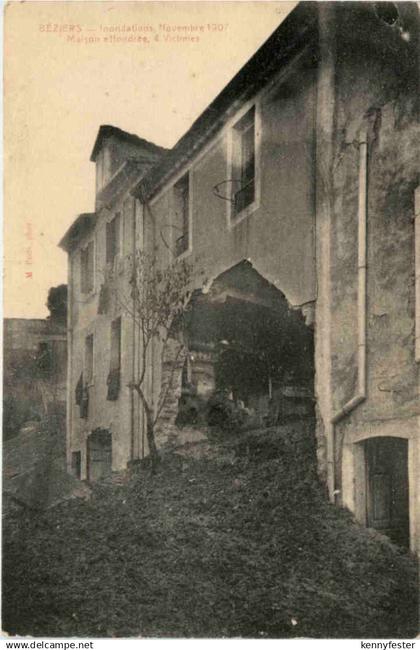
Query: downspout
[[325, 118], [133, 343], [361, 391], [415, 532], [143, 239], [69, 402], [145, 208], [153, 346], [417, 270]]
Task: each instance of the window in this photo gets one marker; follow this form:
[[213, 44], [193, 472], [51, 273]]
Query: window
[[82, 397], [88, 374], [128, 225], [243, 162], [76, 464], [140, 226], [113, 238], [103, 168], [116, 344], [99, 171], [86, 268], [181, 215], [114, 376], [44, 359]]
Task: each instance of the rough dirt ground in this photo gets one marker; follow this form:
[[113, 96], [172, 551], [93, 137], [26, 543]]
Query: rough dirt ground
[[237, 541]]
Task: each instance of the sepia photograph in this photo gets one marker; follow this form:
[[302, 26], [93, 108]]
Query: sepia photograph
[[211, 320]]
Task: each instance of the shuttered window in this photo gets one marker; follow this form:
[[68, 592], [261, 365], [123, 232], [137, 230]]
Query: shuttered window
[[88, 359], [87, 268], [181, 222], [116, 344], [113, 238], [244, 162], [114, 375], [128, 226]]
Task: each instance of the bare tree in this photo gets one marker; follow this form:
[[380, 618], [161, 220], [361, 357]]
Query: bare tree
[[157, 303]]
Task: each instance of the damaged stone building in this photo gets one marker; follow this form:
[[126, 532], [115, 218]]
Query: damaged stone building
[[295, 195]]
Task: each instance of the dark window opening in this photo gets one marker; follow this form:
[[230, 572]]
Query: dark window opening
[[114, 376], [88, 374], [186, 374], [76, 464], [86, 268], [244, 162], [113, 238], [44, 360], [387, 12], [82, 397], [181, 215]]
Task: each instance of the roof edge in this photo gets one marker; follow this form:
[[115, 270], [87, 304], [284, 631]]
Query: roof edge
[[86, 218], [286, 40], [108, 130]]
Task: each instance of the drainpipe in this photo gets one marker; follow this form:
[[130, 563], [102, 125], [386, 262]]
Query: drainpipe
[[144, 210], [415, 532], [152, 348], [143, 243], [417, 270], [133, 342], [69, 404], [361, 392], [325, 129]]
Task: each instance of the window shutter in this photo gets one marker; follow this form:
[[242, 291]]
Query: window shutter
[[114, 375], [181, 210], [83, 266], [113, 238], [115, 361], [117, 231], [109, 241], [90, 266], [244, 161]]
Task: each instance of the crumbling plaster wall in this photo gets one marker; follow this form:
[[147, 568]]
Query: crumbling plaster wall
[[170, 381], [367, 84], [376, 90]]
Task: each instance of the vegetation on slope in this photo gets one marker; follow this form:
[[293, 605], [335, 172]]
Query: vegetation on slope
[[242, 542]]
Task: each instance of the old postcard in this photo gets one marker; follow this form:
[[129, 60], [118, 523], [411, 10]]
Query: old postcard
[[212, 320]]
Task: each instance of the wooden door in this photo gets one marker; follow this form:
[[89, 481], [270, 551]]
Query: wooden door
[[387, 487], [99, 455]]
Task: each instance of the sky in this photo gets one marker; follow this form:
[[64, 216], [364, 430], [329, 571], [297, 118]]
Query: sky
[[66, 74]]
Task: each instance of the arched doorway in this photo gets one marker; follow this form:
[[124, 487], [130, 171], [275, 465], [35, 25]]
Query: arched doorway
[[99, 454], [387, 499]]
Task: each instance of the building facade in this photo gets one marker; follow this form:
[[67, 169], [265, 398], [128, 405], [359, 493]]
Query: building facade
[[295, 195]]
